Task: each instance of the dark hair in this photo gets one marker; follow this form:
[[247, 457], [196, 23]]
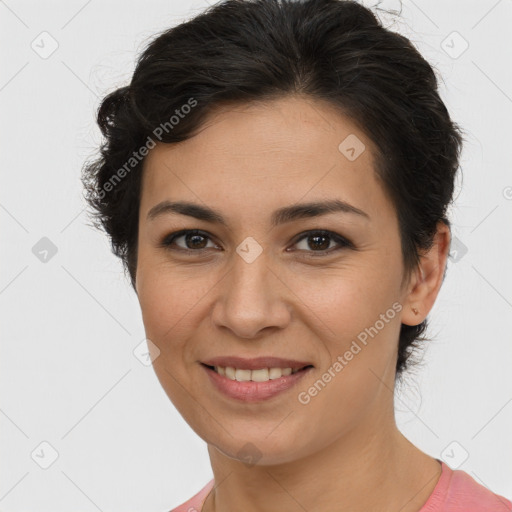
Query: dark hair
[[242, 51]]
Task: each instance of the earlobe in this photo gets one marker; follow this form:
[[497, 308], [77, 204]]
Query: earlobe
[[428, 278]]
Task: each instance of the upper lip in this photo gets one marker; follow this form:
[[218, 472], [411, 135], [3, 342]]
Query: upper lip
[[255, 363]]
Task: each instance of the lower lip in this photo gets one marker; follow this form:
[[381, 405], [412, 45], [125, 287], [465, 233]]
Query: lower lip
[[250, 391]]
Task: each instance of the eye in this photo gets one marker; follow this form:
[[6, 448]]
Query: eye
[[317, 241], [193, 239], [320, 241]]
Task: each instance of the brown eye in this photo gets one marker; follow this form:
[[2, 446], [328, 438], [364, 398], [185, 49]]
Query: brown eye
[[196, 241], [314, 243], [321, 242], [193, 240]]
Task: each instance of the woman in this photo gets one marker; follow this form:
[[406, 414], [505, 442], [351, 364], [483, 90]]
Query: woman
[[275, 179]]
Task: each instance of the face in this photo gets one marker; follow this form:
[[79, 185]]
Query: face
[[309, 286]]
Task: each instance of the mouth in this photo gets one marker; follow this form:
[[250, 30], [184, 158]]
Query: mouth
[[255, 385], [257, 374]]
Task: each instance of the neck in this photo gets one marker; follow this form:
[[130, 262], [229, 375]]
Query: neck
[[370, 469]]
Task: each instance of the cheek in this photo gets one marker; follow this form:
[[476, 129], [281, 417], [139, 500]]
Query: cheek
[[356, 317], [168, 305], [359, 353], [344, 301], [171, 302]]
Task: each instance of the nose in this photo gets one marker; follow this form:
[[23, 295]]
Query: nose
[[252, 298]]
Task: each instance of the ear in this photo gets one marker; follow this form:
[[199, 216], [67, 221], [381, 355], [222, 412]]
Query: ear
[[427, 278]]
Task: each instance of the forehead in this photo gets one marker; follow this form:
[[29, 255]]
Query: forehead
[[267, 154], [297, 125]]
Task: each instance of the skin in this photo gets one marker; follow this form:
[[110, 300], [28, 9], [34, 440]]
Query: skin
[[342, 451]]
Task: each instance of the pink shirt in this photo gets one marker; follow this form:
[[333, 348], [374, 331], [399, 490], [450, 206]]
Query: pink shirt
[[455, 491]]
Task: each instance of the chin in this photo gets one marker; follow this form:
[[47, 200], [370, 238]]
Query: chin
[[260, 449]]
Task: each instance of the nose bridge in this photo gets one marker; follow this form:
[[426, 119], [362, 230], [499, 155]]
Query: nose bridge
[[250, 271], [251, 298]]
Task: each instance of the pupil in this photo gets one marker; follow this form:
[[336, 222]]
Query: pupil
[[320, 237], [193, 239]]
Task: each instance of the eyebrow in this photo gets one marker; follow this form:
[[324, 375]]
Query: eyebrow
[[280, 216]]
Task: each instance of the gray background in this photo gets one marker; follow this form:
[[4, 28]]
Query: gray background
[[70, 321]]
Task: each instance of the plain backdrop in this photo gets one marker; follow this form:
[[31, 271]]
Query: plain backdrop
[[75, 396]]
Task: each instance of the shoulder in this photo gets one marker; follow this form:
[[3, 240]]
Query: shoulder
[[457, 491], [195, 504], [466, 492]]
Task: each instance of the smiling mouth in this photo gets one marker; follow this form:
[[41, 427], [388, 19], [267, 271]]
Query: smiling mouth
[[258, 375]]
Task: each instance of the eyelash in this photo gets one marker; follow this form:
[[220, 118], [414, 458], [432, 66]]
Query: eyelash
[[343, 242]]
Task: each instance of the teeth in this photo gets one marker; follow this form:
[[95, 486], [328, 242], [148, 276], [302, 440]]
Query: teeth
[[260, 375], [242, 375]]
